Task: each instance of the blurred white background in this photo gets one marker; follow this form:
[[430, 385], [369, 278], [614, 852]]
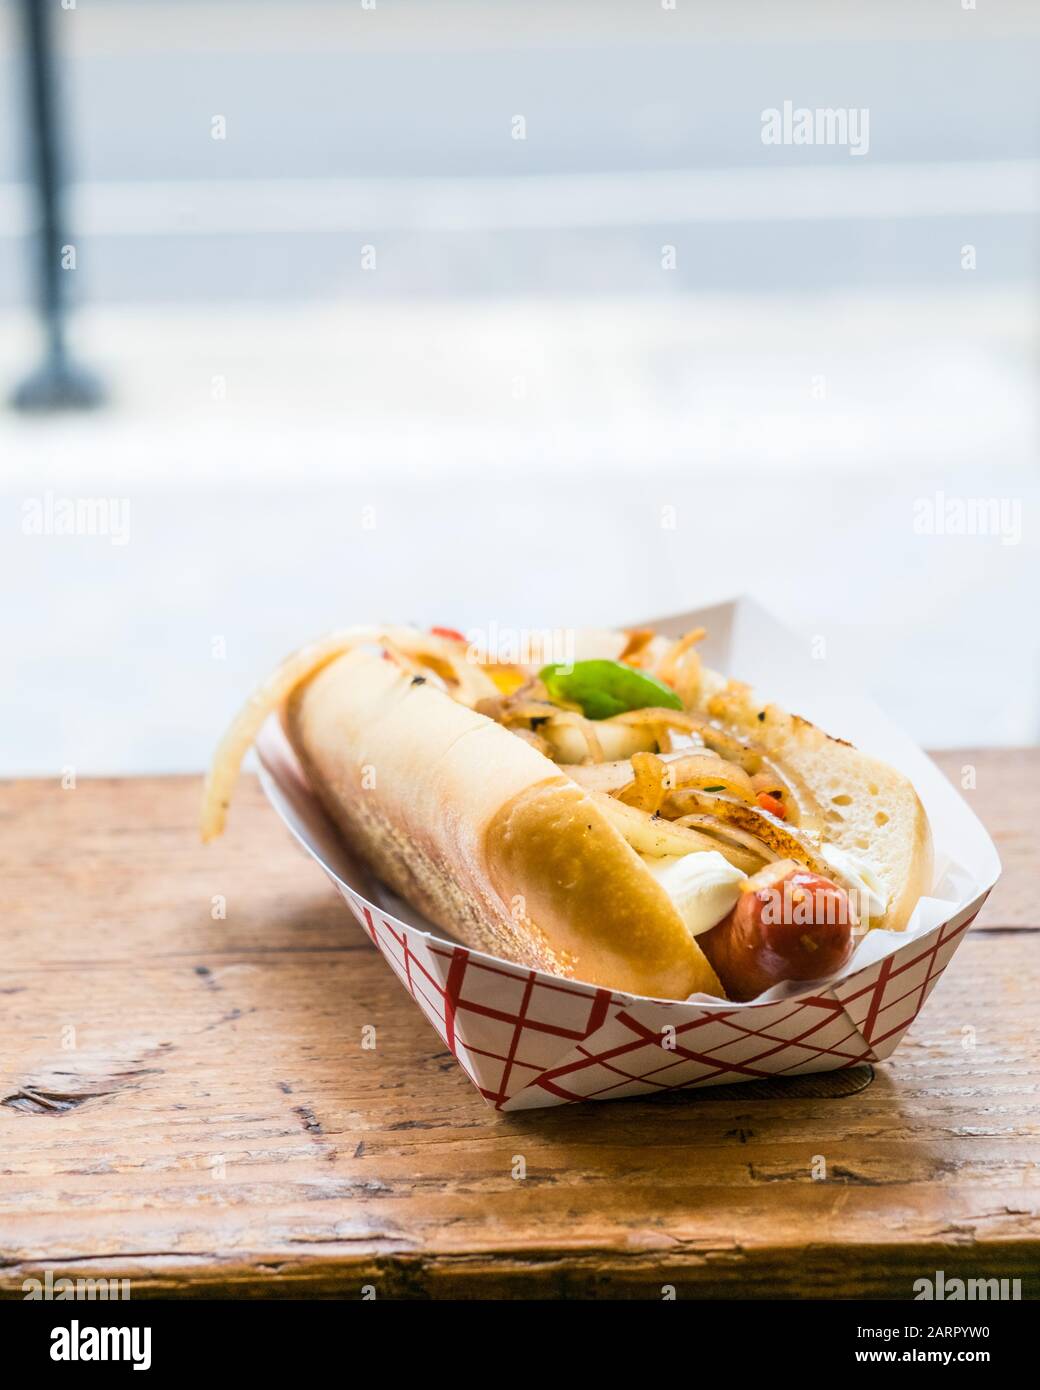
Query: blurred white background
[[502, 418]]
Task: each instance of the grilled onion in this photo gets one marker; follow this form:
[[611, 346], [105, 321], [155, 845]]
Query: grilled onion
[[567, 719], [616, 741], [783, 840], [654, 835], [680, 667], [745, 754], [649, 785], [704, 770], [637, 640], [710, 825]]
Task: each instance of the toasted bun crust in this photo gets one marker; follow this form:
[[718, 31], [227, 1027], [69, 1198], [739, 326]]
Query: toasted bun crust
[[484, 835]]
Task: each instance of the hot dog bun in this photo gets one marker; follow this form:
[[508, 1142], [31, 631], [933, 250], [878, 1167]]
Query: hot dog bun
[[484, 834]]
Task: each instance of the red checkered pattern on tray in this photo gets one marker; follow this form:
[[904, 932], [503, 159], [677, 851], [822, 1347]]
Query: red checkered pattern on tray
[[527, 1039]]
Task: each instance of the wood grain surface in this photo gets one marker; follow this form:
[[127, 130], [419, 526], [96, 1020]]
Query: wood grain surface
[[185, 1099]]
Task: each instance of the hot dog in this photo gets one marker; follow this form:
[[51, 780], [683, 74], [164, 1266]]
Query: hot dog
[[598, 817], [787, 925]]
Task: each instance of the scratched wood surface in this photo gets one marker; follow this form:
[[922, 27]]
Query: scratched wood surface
[[186, 1102]]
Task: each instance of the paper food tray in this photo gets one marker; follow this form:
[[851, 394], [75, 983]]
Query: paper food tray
[[528, 1039]]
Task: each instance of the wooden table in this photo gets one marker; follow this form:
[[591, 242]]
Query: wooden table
[[185, 1100]]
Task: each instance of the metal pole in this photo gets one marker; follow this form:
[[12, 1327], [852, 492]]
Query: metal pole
[[57, 384]]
